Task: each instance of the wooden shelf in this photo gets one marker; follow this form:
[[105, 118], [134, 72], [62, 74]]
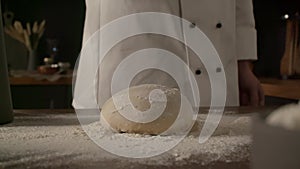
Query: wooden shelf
[[23, 78], [288, 89], [17, 81]]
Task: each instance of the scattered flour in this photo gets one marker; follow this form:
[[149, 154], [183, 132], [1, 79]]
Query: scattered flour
[[231, 143], [57, 141]]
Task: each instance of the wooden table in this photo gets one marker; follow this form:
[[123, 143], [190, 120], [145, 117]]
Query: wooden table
[[18, 81], [288, 89], [31, 90], [32, 78]]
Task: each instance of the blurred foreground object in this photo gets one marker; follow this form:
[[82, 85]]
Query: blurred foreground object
[[287, 117], [6, 114], [276, 139]]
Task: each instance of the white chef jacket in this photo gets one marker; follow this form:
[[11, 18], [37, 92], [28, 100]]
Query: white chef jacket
[[229, 24]]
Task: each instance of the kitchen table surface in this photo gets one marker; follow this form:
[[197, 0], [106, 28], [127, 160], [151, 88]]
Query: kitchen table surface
[[55, 139]]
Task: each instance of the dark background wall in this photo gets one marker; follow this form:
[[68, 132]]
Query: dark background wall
[[65, 20], [271, 33]]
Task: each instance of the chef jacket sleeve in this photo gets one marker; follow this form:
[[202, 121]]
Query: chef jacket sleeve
[[246, 47]]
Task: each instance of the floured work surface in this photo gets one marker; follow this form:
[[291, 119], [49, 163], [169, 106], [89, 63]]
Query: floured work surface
[[56, 140]]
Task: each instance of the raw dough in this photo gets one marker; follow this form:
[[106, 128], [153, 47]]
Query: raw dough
[[287, 117], [139, 97]]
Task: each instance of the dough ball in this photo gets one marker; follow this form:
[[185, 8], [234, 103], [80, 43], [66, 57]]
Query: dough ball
[[139, 97], [287, 117]]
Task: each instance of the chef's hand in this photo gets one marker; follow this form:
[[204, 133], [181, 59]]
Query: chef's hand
[[251, 92]]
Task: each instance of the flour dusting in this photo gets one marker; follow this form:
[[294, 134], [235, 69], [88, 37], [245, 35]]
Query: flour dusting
[[231, 143], [58, 141]]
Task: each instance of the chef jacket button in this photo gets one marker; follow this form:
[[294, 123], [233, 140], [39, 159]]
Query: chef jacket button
[[219, 25], [198, 72], [193, 25], [218, 70]]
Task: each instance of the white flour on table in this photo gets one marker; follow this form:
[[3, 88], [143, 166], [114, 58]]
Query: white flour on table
[[25, 144], [231, 143]]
